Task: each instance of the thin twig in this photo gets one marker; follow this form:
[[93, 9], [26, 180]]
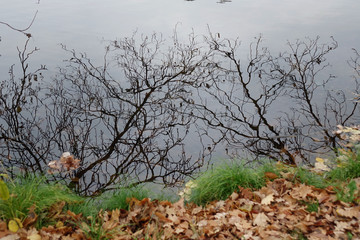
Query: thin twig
[[22, 30]]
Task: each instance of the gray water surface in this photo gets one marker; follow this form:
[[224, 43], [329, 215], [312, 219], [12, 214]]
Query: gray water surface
[[83, 24], [87, 25]]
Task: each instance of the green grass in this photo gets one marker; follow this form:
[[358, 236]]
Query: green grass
[[223, 180], [33, 191], [310, 178], [346, 193], [119, 198], [89, 207], [312, 206], [116, 199], [220, 182], [349, 168]]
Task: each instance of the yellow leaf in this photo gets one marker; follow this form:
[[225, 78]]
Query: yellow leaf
[[59, 224], [13, 226], [246, 207], [4, 191], [321, 160], [19, 223]]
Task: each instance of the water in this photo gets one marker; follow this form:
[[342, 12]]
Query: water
[[87, 25], [83, 24]]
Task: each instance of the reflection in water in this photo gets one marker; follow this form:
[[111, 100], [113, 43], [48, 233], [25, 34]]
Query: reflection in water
[[74, 26], [140, 125]]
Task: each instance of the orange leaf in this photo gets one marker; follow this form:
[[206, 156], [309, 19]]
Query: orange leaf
[[162, 217], [271, 175]]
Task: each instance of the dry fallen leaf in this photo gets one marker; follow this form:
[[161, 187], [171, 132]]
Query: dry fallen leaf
[[348, 212], [300, 192], [11, 237], [268, 199], [271, 175], [261, 220], [33, 234]]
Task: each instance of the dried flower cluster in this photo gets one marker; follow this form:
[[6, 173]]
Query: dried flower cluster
[[66, 163], [186, 192]]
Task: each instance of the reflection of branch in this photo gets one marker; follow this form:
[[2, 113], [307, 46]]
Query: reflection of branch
[[22, 30]]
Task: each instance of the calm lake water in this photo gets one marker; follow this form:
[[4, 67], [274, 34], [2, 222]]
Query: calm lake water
[[83, 24], [86, 25]]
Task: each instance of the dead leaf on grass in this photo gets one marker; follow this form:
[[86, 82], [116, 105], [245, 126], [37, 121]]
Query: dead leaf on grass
[[301, 192]]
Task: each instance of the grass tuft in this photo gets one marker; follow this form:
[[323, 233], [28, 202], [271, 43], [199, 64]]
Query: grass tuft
[[348, 169], [33, 191], [116, 199], [222, 181], [119, 198], [310, 178]]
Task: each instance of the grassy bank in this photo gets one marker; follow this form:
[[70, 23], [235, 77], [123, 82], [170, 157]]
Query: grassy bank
[[32, 203]]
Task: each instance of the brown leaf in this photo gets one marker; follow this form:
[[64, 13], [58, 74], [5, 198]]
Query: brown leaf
[[179, 206], [74, 216], [246, 193], [261, 220], [342, 226], [348, 212], [168, 233], [31, 217], [162, 217], [3, 229], [56, 209], [268, 199], [302, 227], [212, 227], [300, 192], [196, 210], [271, 175]]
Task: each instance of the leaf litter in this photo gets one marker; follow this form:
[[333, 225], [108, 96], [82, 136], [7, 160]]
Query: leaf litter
[[276, 211]]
